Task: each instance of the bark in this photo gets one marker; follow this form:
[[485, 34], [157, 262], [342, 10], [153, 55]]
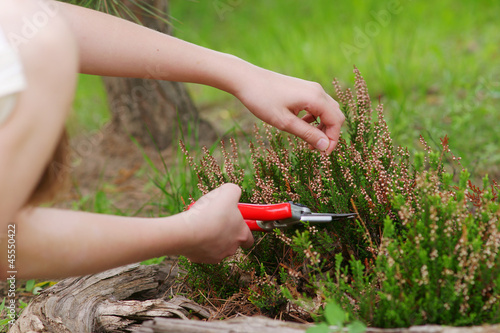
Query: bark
[[155, 112], [237, 325]]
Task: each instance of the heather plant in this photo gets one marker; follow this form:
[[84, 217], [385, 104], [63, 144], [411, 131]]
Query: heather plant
[[439, 263], [446, 268], [361, 176], [421, 250]]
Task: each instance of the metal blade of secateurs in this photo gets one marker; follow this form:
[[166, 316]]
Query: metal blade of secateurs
[[325, 217]]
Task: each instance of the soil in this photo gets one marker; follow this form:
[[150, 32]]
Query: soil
[[112, 163]]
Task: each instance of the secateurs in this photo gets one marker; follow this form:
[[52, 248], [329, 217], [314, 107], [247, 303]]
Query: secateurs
[[284, 215]]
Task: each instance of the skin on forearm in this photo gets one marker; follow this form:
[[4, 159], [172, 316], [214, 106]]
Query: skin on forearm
[[106, 49], [54, 243]]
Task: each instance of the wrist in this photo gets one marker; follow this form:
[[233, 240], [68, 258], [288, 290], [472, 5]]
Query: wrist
[[233, 74]]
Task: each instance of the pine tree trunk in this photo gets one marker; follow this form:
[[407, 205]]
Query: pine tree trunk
[[155, 112]]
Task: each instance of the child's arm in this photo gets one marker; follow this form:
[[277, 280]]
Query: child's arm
[[55, 243], [112, 46]]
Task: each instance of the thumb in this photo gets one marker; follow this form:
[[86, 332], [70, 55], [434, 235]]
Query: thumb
[[234, 193], [231, 191]]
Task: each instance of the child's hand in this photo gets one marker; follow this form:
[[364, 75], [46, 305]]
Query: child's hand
[[277, 99], [217, 226]]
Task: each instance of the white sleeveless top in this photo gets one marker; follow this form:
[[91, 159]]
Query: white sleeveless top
[[12, 78]]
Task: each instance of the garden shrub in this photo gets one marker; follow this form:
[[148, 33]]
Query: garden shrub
[[421, 250]]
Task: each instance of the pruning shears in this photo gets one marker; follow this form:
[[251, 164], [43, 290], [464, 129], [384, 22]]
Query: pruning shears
[[283, 215]]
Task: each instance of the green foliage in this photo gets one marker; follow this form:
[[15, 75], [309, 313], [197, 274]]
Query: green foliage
[[153, 261], [445, 267], [360, 176], [424, 248], [4, 321], [22, 305], [452, 242], [30, 286], [335, 316], [266, 294]]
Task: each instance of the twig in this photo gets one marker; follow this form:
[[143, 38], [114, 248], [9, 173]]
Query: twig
[[369, 238]]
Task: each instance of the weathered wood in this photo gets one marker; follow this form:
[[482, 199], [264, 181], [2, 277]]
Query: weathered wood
[[266, 325], [256, 324], [110, 301]]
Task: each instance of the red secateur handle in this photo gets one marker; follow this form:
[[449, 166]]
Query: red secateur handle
[[254, 212], [279, 211]]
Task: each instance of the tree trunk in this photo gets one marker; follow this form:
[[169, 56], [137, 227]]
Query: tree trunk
[[155, 112]]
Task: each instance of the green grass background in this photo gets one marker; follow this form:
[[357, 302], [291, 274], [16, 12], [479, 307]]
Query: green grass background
[[435, 65]]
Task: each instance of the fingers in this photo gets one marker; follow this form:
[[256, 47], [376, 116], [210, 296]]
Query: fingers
[[332, 118], [246, 239], [308, 133], [229, 193], [249, 240], [309, 118], [227, 230], [325, 136], [232, 191], [277, 99]]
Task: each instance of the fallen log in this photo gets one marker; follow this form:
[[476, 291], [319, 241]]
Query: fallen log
[[117, 300]]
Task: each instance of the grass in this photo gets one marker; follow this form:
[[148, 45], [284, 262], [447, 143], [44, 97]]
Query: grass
[[437, 70], [90, 106]]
